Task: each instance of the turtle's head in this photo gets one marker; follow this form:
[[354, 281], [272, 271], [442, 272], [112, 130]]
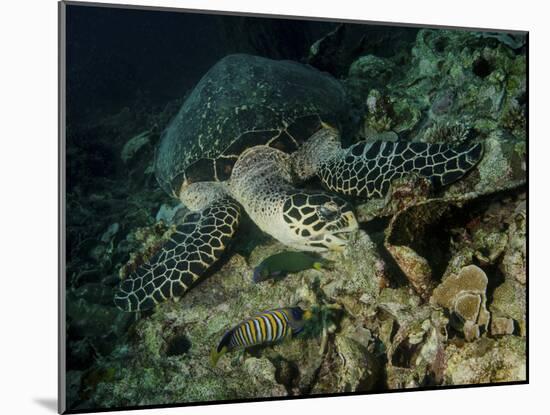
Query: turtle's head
[[317, 221]]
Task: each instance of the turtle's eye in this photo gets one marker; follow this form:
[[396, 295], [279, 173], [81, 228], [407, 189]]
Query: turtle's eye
[[329, 211]]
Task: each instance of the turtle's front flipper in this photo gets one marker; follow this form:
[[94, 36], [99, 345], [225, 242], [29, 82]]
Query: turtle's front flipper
[[366, 170], [195, 245]]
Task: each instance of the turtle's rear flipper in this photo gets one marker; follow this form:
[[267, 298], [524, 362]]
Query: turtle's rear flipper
[[195, 245], [366, 170]]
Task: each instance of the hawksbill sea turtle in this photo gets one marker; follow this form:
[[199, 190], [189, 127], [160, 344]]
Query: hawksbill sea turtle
[[251, 131]]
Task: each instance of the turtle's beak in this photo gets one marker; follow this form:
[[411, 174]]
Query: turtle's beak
[[341, 235], [335, 238], [351, 223]]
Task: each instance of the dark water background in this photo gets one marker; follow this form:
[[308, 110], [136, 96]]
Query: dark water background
[[117, 56]]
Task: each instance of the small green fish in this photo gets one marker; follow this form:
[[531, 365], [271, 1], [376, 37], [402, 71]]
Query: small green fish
[[265, 328], [280, 264]]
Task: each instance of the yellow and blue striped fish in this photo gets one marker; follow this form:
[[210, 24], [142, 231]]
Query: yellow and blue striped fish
[[264, 328]]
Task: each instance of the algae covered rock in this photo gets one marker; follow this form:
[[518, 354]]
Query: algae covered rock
[[348, 367], [408, 191], [264, 371], [364, 272], [408, 241], [415, 267], [501, 326], [486, 361], [514, 262], [226, 298], [106, 319], [160, 375], [183, 373], [135, 145], [453, 77], [372, 69], [414, 337], [509, 300]]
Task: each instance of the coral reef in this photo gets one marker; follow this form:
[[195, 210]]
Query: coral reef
[[430, 291]]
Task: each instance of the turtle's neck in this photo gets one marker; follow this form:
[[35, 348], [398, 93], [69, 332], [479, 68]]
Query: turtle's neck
[[319, 149], [259, 180]]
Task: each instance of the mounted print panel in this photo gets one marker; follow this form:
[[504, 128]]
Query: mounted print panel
[[270, 207]]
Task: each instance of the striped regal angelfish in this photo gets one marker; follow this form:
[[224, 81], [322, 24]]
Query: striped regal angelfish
[[264, 328]]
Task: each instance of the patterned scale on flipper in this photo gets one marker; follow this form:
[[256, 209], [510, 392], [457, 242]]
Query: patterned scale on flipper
[[367, 169], [196, 244]]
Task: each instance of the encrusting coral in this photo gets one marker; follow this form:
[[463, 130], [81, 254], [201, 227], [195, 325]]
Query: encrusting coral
[[464, 295]]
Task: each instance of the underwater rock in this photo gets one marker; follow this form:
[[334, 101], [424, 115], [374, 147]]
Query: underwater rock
[[349, 367], [464, 295], [486, 233], [263, 372], [509, 300], [364, 271], [408, 242], [84, 276], [203, 315], [456, 59], [134, 145], [79, 354], [431, 353], [501, 326], [455, 77], [442, 103], [171, 215], [403, 378], [372, 69], [111, 231], [73, 381], [93, 377], [298, 362], [416, 268], [404, 192], [148, 239], [95, 293], [335, 52], [380, 114], [397, 301], [491, 245], [513, 41], [407, 114], [383, 136], [414, 336], [502, 166], [228, 296], [98, 252], [486, 361], [425, 250], [95, 320], [514, 262]]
